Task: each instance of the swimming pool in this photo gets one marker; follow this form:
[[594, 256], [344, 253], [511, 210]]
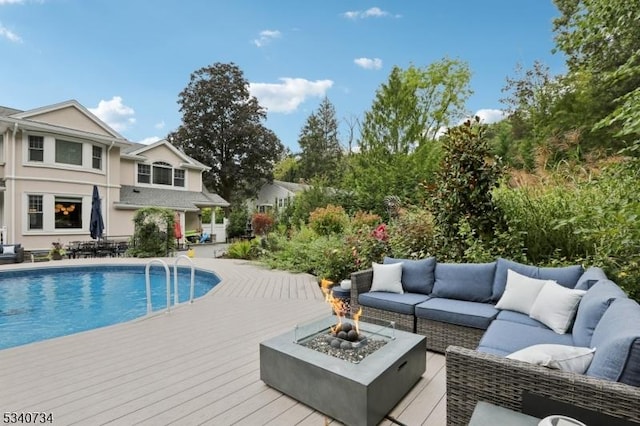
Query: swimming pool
[[40, 304]]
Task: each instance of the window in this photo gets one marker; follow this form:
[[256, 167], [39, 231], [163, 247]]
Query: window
[[68, 213], [36, 148], [178, 178], [97, 157], [144, 173], [68, 152], [35, 212], [162, 173]]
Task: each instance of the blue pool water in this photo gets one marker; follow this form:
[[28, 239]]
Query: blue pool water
[[41, 304]]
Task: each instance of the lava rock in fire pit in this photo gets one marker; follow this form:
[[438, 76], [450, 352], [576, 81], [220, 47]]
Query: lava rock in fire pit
[[346, 326], [345, 345], [335, 343], [352, 335], [342, 335]]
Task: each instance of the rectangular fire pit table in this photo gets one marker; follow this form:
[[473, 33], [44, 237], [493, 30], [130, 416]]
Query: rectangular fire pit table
[[353, 393]]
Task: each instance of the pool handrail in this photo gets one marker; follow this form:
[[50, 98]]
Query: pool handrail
[[148, 283], [175, 279]]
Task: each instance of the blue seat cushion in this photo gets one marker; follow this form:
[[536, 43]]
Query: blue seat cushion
[[592, 306], [417, 275], [617, 342], [459, 312], [472, 282], [591, 276], [399, 303], [566, 276], [520, 318], [507, 336]]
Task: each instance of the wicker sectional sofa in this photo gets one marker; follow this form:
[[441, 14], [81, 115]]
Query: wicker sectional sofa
[[454, 306]]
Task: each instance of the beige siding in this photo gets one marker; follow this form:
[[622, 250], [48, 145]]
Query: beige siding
[[127, 172], [71, 118]]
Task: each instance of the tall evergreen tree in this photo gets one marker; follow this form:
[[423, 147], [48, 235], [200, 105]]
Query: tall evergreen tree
[[222, 128], [321, 151]]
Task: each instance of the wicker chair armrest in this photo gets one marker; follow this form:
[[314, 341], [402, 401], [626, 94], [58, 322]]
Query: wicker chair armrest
[[474, 376], [20, 254], [360, 283]]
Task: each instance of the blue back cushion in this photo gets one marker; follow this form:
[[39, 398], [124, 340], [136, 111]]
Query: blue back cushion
[[566, 276], [500, 280], [617, 342], [417, 275], [464, 281], [591, 276], [592, 306]]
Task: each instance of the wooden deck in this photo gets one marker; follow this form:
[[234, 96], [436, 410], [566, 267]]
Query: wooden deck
[[197, 365]]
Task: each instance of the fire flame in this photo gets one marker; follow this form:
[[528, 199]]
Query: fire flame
[[339, 306]]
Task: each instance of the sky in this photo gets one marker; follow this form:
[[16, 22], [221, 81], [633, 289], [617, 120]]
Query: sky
[[128, 60]]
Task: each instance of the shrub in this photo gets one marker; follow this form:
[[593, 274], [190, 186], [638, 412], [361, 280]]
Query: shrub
[[238, 219], [364, 219], [240, 250], [261, 223], [153, 232], [328, 220], [411, 234]]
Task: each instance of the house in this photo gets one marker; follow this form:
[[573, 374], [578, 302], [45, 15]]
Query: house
[[50, 159], [276, 195]]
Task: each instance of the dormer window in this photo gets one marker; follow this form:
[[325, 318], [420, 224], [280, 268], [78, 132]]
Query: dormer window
[[162, 173]]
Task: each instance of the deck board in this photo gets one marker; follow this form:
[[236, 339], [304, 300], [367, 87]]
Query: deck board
[[198, 364]]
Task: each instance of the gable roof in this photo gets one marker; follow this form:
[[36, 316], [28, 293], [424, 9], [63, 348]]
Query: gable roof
[[291, 186], [28, 120], [135, 197], [136, 152], [72, 103]]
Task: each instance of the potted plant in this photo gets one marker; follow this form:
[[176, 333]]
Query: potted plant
[[57, 251]]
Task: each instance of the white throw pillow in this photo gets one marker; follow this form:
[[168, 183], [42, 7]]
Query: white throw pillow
[[559, 357], [520, 292], [9, 249], [556, 306], [387, 277]]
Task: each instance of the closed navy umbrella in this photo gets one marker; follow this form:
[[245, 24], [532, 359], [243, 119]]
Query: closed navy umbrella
[[96, 224]]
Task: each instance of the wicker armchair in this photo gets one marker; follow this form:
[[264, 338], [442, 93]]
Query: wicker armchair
[[474, 376], [360, 283]]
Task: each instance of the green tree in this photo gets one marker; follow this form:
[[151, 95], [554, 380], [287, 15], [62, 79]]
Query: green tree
[[397, 143], [601, 38], [321, 151], [222, 128], [461, 198], [287, 169]]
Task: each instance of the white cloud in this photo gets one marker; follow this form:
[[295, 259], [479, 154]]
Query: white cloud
[[369, 63], [8, 34], [150, 140], [289, 94], [160, 125], [266, 37], [373, 12], [490, 116], [115, 113], [10, 2]]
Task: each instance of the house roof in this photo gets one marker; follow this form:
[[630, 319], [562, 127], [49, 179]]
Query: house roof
[[136, 152], [291, 186], [135, 197], [29, 120]]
